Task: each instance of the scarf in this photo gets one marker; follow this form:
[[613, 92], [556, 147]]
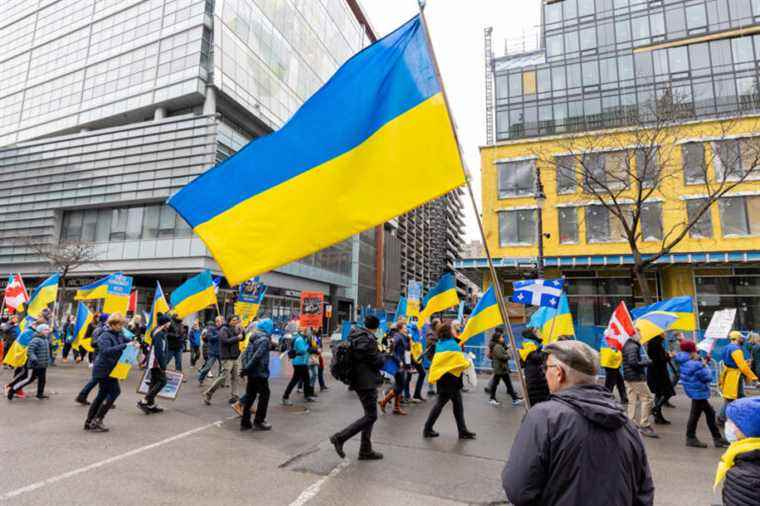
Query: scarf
[[736, 449]]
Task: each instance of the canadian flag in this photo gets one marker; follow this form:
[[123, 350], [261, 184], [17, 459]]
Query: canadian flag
[[15, 292], [620, 328], [132, 306]]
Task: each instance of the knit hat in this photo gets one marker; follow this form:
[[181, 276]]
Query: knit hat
[[688, 346], [42, 327], [163, 319], [265, 325], [104, 317], [745, 413]]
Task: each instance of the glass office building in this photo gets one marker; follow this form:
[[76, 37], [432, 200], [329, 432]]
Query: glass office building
[[109, 106]]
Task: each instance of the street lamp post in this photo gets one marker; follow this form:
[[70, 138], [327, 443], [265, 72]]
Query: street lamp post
[[540, 203]]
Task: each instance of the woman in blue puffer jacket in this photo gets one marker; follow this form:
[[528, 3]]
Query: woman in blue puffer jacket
[[696, 379]]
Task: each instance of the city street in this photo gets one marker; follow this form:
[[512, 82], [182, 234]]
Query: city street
[[195, 454]]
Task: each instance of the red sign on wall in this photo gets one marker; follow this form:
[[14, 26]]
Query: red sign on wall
[[311, 309]]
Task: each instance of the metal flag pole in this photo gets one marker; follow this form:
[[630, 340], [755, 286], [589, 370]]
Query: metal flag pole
[[491, 268]]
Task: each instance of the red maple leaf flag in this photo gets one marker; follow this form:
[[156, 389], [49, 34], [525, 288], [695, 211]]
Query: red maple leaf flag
[[620, 328], [15, 293]]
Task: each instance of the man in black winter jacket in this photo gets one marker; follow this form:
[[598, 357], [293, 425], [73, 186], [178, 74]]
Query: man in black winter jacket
[[230, 336], [580, 423], [367, 362], [635, 376], [158, 363]]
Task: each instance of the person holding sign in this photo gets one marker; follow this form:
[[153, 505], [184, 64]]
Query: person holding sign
[[157, 364], [111, 343], [735, 370]]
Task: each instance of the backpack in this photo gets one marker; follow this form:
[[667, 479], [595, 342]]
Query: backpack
[[292, 348], [342, 364]]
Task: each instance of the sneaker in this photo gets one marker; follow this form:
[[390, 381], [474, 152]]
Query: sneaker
[[245, 426], [156, 409], [427, 434], [467, 435], [695, 443], [43, 397], [311, 399], [373, 455], [648, 432], [20, 394], [206, 398], [322, 389], [721, 443], [237, 408], [144, 407], [419, 399], [261, 426], [287, 402], [338, 446], [517, 402], [97, 426], [210, 375], [494, 402], [415, 400], [82, 400]]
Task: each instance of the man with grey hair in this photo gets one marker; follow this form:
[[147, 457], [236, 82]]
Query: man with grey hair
[[578, 447]]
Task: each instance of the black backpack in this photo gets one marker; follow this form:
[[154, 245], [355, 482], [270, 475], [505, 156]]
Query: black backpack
[[292, 348], [342, 364]]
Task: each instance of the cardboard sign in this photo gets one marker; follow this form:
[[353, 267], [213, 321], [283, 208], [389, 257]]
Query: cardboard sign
[[721, 323], [170, 391], [311, 309]]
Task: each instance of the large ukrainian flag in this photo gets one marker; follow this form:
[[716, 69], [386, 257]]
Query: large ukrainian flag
[[552, 323], [441, 297], [193, 295], [45, 293], [374, 142], [96, 290], [681, 307], [485, 316], [16, 354], [448, 358]]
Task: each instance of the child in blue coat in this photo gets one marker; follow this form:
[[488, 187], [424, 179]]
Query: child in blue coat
[[696, 379]]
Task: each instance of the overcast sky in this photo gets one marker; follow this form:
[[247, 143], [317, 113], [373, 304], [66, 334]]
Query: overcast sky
[[456, 27]]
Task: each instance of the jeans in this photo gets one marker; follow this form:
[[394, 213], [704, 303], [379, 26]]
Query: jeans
[[255, 387], [368, 398], [399, 382], [108, 391], [321, 378], [494, 385], [175, 355], [640, 396], [88, 388], [300, 373], [699, 406], [229, 370], [207, 367], [442, 399], [195, 354], [22, 380], [613, 379], [313, 372], [157, 383]]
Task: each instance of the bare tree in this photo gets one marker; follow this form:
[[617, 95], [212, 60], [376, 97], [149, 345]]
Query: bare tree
[[630, 171]]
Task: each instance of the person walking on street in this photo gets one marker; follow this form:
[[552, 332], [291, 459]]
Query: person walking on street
[[195, 343], [157, 366], [658, 378], [367, 361], [400, 349], [111, 343], [611, 360], [740, 465], [580, 423], [255, 366], [754, 352], [211, 338], [230, 336], [500, 364], [299, 355], [735, 371], [639, 395], [449, 388], [174, 343], [38, 359], [696, 378], [533, 368]]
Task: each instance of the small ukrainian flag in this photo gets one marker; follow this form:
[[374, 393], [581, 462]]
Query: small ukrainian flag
[[193, 295], [485, 316]]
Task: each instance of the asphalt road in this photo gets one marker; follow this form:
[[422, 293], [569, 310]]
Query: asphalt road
[[195, 454]]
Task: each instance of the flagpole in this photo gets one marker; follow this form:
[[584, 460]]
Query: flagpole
[[491, 268]]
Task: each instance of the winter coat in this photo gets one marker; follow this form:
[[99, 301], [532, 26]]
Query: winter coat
[[548, 462], [695, 376], [742, 485], [255, 360], [160, 350], [499, 359], [755, 354], [658, 378], [195, 338], [38, 352], [174, 336], [229, 342], [535, 377], [634, 365], [366, 360], [400, 346], [212, 339], [302, 350], [110, 346]]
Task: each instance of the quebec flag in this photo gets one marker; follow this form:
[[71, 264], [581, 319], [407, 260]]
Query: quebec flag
[[538, 292]]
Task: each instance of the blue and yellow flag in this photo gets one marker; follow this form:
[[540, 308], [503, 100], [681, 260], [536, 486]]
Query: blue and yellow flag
[[193, 295], [441, 297], [159, 306], [552, 323], [654, 323], [83, 321], [418, 341], [45, 293], [127, 359], [117, 294], [682, 307], [249, 301], [96, 290], [485, 316], [380, 119], [400, 309], [448, 358]]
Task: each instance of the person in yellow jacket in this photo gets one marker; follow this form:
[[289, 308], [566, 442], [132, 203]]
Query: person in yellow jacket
[[735, 370], [611, 360]]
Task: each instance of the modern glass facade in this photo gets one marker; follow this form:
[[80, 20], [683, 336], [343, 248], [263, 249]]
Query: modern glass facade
[[609, 63]]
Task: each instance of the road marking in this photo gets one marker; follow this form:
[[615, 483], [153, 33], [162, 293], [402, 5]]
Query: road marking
[[312, 490], [111, 460]]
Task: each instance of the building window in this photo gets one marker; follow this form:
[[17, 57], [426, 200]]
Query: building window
[[602, 226], [735, 213], [651, 221], [529, 82], [517, 227], [565, 174], [608, 170], [702, 229], [517, 178], [647, 167], [694, 169], [736, 157], [122, 224], [568, 225]]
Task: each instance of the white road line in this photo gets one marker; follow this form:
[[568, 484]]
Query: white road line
[[313, 489], [75, 472]]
